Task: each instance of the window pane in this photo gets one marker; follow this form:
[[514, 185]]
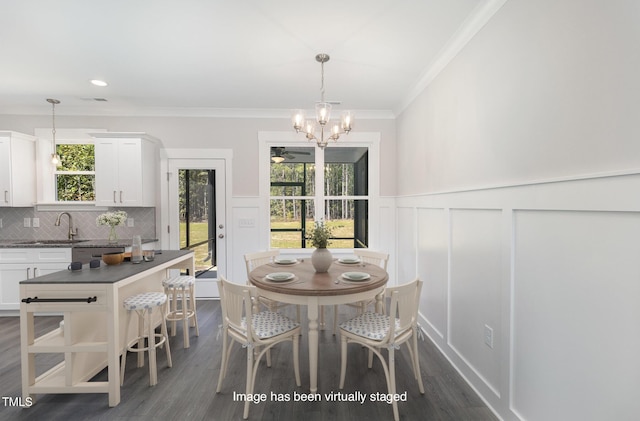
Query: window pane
[[79, 157], [349, 220], [281, 190], [346, 172], [75, 187], [290, 218], [297, 169]]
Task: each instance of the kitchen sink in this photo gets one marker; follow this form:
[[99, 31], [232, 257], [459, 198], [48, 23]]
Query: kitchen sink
[[36, 242]]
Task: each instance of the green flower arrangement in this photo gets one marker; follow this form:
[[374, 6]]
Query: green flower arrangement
[[320, 235]]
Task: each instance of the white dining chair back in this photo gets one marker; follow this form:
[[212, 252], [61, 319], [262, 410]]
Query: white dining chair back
[[257, 332], [252, 261], [373, 257], [377, 331], [366, 256]]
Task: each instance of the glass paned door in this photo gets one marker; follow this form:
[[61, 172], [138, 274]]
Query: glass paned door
[[197, 216]]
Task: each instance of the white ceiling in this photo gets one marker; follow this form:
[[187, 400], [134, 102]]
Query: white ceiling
[[191, 57]]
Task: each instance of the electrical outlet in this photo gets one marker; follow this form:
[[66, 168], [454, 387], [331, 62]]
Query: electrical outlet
[[35, 222], [27, 222], [488, 336], [0, 222], [130, 222]]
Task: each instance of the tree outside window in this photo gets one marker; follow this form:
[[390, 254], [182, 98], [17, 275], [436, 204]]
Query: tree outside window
[[338, 193]]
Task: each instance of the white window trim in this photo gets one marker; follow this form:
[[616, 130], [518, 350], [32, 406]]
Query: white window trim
[[266, 140], [46, 173]]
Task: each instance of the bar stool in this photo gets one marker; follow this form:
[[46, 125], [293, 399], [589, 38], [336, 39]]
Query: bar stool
[[143, 305], [181, 289]]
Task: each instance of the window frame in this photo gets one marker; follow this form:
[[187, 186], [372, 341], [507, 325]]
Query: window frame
[[370, 140], [46, 172], [57, 172]]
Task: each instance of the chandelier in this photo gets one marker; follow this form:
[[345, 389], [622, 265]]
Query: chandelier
[[55, 158], [323, 116]]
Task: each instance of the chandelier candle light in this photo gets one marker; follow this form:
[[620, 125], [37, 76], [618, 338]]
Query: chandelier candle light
[[112, 219], [323, 116]]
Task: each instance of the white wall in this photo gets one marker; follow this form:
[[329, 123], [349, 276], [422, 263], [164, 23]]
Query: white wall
[[546, 91], [238, 134]]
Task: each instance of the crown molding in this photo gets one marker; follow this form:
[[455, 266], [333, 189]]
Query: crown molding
[[469, 28], [127, 111]]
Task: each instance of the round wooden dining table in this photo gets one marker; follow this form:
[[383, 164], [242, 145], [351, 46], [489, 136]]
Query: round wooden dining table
[[313, 289]]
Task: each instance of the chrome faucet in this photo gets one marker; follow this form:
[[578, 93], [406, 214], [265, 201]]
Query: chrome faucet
[[72, 231]]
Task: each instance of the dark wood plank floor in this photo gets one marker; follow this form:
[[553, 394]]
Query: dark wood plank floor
[[187, 391]]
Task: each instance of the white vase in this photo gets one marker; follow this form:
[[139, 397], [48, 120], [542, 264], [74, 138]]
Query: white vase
[[321, 259]]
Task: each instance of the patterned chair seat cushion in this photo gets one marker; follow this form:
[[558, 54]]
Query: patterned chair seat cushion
[[369, 325], [268, 324], [145, 300], [180, 282]]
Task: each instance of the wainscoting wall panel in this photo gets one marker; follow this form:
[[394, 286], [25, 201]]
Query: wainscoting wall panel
[[576, 301], [433, 266], [551, 268], [474, 290]]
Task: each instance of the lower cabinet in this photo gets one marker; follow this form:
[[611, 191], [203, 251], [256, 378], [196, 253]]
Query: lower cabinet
[[18, 264]]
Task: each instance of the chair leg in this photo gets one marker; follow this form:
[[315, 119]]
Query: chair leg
[[370, 359], [392, 382], [416, 363], [249, 388], [298, 313], [335, 319], [223, 362], [343, 360]]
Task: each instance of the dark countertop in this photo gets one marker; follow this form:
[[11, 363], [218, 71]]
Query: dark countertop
[[24, 243], [106, 274]]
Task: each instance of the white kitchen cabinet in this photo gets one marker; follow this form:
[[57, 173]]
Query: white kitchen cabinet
[[17, 169], [126, 169], [19, 264]]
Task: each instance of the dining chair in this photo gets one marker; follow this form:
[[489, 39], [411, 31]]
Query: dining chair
[[377, 331], [252, 261], [366, 256], [256, 331]]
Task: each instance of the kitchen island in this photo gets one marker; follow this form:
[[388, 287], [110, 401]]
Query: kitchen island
[[94, 322]]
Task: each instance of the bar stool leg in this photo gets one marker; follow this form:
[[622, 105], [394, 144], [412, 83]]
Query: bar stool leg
[[153, 372], [185, 318], [123, 358], [166, 338], [141, 335]]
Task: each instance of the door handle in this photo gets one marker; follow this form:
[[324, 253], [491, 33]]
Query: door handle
[[28, 273], [220, 235], [35, 272], [6, 196], [114, 197], [120, 196]]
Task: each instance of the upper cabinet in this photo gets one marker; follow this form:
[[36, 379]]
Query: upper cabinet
[[126, 169], [17, 169]]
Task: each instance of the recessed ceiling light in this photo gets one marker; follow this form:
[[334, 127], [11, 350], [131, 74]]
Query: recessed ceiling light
[[98, 82]]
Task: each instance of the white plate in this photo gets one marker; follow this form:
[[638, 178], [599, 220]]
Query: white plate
[[356, 276], [280, 276], [349, 260], [284, 261]]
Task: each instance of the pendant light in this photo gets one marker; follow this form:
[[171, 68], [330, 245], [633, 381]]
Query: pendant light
[[55, 158]]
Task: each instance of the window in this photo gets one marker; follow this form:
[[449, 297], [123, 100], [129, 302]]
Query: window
[[75, 177], [332, 183]]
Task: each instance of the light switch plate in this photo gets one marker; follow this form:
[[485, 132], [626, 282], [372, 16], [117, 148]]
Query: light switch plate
[[130, 222], [27, 222], [35, 222]]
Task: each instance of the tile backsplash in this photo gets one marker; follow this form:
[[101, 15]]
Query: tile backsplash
[[13, 224]]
